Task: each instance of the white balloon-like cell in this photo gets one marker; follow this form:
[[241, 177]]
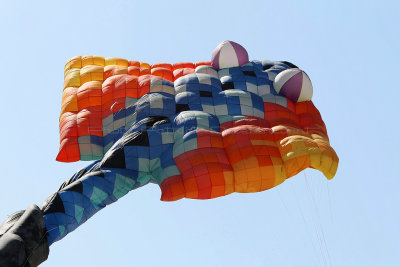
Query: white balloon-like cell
[[294, 84]]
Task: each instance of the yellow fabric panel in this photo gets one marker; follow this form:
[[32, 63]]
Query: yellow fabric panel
[[315, 160], [253, 180], [268, 177], [229, 182], [295, 165], [320, 137], [332, 170], [280, 171], [91, 73], [73, 63], [300, 152], [240, 175], [329, 159], [296, 145], [93, 60], [72, 78], [247, 175], [116, 61]]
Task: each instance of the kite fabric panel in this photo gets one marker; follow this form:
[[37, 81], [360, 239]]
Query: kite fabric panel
[[199, 130]]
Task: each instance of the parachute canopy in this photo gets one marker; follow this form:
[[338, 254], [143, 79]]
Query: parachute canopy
[[200, 130]]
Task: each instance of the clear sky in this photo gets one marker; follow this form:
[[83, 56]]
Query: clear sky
[[350, 50]]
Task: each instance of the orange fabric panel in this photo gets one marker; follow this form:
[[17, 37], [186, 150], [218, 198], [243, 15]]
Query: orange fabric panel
[[182, 72], [162, 65], [89, 94], [112, 70], [201, 63], [69, 150], [172, 189], [133, 70], [89, 121], [163, 73], [69, 100], [181, 65], [133, 63]]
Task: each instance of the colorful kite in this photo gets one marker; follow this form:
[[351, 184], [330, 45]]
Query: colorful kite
[[199, 130]]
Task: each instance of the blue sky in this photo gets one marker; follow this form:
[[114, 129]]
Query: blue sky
[[350, 50]]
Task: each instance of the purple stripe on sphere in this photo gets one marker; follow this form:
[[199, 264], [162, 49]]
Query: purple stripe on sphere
[[241, 53], [215, 57], [292, 88]]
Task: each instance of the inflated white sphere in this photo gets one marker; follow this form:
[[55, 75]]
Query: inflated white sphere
[[294, 84], [229, 54]]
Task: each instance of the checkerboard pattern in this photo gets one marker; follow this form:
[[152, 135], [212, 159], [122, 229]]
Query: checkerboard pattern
[[197, 131]]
